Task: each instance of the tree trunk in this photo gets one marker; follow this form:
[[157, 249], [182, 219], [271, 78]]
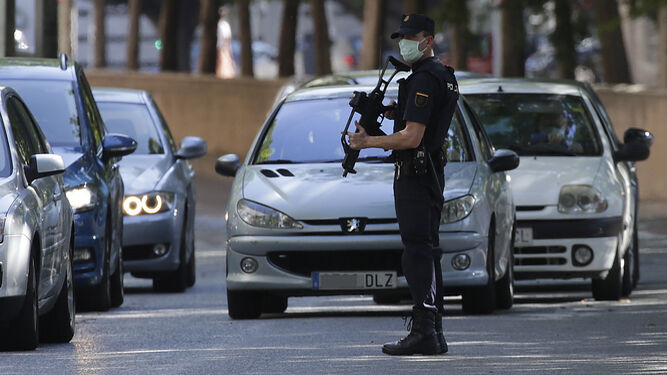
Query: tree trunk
[[134, 9], [321, 36], [513, 39], [563, 39], [65, 26], [169, 35], [100, 55], [245, 38], [415, 6], [46, 29], [614, 59], [208, 51], [662, 48], [372, 34], [287, 38], [188, 19], [458, 33], [7, 16]]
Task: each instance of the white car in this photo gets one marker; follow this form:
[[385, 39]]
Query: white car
[[576, 190], [296, 227]]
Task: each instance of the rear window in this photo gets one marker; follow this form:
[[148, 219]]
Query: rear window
[[537, 124], [135, 121], [53, 105]]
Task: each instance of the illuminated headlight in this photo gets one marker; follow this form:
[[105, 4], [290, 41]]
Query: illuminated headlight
[[457, 209], [81, 198], [259, 215], [147, 204], [580, 199]]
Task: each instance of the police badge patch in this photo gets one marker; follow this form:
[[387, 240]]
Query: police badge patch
[[421, 100]]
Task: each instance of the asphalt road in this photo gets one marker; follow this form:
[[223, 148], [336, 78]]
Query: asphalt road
[[553, 328]]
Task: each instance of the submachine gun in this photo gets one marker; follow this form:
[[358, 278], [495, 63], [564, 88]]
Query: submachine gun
[[370, 107]]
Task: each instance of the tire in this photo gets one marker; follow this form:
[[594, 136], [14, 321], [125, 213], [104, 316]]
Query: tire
[[628, 272], [175, 281], [100, 295], [272, 304], [635, 250], [192, 272], [386, 299], [505, 286], [244, 305], [23, 331], [118, 283], [482, 300], [58, 325], [610, 288]]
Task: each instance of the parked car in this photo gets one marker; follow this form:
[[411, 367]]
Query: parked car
[[58, 94], [296, 227], [36, 234], [576, 190], [159, 202]]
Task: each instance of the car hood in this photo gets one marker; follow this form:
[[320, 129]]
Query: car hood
[[78, 166], [538, 180], [142, 172], [318, 191]]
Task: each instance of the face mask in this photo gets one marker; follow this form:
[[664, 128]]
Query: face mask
[[410, 50]]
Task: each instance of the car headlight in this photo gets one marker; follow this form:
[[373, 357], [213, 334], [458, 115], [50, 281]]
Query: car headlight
[[457, 209], [81, 198], [148, 204], [580, 199], [259, 215]]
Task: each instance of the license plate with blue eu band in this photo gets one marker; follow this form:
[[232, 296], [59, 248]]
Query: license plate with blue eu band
[[354, 280]]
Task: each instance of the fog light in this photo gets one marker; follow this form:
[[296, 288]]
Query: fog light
[[461, 262], [248, 265], [582, 255], [160, 249], [83, 255]]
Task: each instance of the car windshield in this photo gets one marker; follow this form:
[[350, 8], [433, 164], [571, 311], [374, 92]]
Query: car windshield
[[53, 105], [135, 121], [308, 131], [537, 124]]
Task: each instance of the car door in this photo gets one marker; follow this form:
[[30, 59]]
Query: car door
[[29, 141]]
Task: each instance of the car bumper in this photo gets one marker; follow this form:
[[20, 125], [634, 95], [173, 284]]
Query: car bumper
[[89, 237], [360, 252], [14, 260], [550, 253], [142, 233]]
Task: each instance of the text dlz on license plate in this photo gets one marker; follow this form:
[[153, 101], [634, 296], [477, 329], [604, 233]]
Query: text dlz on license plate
[[354, 280]]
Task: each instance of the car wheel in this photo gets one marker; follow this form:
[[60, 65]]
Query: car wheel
[[118, 283], [176, 281], [244, 305], [628, 271], [59, 324], [192, 272], [505, 286], [635, 250], [274, 304], [482, 300], [22, 332], [609, 288], [386, 299]]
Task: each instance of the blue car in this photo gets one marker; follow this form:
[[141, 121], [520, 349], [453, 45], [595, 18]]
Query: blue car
[[60, 98]]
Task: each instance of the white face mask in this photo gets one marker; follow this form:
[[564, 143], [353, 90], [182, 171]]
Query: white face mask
[[410, 50]]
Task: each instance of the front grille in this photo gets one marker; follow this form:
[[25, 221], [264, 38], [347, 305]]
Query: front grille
[[140, 252], [540, 256], [303, 263]]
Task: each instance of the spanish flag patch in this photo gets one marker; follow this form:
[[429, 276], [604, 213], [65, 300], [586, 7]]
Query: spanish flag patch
[[421, 99]]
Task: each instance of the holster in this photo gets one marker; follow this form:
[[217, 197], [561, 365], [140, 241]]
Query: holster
[[415, 162]]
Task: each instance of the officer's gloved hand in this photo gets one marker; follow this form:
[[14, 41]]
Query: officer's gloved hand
[[391, 114]]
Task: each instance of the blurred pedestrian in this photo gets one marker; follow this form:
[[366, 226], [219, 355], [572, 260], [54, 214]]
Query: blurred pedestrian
[[225, 63]]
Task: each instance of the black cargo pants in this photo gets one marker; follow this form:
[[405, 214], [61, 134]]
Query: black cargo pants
[[418, 206]]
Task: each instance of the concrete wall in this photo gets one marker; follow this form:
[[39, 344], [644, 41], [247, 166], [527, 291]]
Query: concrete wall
[[228, 114]]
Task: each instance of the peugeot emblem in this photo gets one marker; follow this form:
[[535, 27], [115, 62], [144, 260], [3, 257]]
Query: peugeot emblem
[[353, 224]]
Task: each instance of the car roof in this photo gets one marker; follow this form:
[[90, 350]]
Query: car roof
[[114, 94], [522, 85], [36, 68], [370, 77], [332, 92]]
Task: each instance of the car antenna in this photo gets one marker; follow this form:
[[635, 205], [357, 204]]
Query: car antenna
[[63, 61], [500, 88]]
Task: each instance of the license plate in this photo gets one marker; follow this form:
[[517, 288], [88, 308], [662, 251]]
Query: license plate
[[354, 280], [523, 236]]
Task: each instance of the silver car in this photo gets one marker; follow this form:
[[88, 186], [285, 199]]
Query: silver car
[[296, 227], [159, 202], [36, 234]]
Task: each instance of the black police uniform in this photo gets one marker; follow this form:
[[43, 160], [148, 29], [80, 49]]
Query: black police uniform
[[428, 96]]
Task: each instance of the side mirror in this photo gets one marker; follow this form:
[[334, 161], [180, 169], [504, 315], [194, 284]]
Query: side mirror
[[636, 135], [117, 145], [191, 148], [632, 151], [227, 165], [42, 165], [504, 160]]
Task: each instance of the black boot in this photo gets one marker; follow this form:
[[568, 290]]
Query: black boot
[[439, 334], [421, 339]]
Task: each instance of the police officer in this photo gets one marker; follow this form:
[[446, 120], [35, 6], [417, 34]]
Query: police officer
[[426, 103]]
